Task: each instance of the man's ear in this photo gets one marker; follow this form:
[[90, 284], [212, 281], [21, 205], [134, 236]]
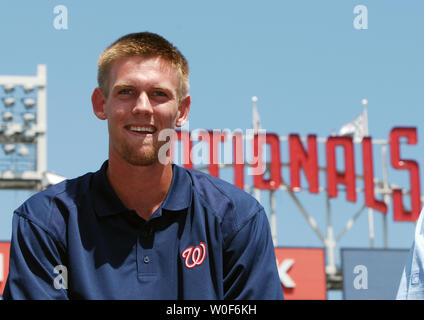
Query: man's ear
[[98, 101], [183, 110]]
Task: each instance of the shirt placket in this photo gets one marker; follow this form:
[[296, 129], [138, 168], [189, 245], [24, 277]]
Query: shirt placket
[[146, 257]]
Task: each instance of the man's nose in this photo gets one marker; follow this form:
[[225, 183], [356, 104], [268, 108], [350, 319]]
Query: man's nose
[[142, 104]]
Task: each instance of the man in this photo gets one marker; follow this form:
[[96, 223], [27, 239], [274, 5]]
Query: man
[[142, 227], [412, 281]]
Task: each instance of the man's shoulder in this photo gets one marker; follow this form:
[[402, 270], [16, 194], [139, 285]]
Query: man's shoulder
[[224, 197], [39, 207]]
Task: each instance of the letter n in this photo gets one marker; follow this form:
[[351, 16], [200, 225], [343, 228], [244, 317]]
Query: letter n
[[275, 179], [307, 160], [333, 176]]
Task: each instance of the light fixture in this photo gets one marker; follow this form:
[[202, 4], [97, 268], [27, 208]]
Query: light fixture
[[28, 88], [9, 101], [23, 151], [7, 116], [29, 134], [9, 148], [8, 88], [18, 127], [8, 174], [28, 117], [28, 102], [9, 132]]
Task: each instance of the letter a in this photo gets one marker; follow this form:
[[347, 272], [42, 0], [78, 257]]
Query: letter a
[[61, 20], [361, 280], [361, 20], [61, 281]]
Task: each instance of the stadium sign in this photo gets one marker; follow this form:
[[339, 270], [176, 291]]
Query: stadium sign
[[4, 264], [305, 157], [302, 273]]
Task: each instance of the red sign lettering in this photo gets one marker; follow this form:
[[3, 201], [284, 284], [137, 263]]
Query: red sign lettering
[[367, 157], [334, 177], [400, 213], [307, 160], [275, 163], [305, 157]]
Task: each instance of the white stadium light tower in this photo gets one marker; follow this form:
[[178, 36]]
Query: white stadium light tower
[[23, 129]]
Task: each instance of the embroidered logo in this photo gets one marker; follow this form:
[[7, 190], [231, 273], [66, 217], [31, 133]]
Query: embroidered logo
[[194, 256]]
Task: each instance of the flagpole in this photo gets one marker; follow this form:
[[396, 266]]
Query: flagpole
[[255, 115], [370, 210], [273, 218], [256, 126], [364, 104]]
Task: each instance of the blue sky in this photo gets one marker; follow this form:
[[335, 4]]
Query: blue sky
[[308, 65]]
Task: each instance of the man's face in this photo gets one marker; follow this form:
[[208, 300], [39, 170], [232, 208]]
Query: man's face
[[142, 101]]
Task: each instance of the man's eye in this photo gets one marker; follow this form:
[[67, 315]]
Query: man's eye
[[159, 94], [125, 91]]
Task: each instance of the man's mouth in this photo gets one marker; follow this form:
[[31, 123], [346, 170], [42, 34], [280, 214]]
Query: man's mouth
[[141, 129]]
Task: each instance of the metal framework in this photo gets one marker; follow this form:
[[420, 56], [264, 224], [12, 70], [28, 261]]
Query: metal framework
[[328, 237]]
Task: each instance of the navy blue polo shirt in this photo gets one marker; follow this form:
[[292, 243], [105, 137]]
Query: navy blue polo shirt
[[76, 240]]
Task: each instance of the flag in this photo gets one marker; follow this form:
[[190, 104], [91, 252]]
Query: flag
[[357, 128]]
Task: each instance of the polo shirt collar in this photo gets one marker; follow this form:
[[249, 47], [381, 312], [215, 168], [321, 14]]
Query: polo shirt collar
[[106, 201]]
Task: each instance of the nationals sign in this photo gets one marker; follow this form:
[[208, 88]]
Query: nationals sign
[[4, 264], [304, 157], [302, 273]]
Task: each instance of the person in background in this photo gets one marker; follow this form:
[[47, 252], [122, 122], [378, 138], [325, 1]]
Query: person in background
[[412, 281]]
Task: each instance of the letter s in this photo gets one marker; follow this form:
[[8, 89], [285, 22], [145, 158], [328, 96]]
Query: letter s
[[400, 214]]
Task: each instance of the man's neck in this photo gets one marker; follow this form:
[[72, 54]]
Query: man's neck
[[140, 188]]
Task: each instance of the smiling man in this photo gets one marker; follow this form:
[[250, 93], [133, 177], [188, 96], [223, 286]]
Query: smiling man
[[142, 99], [141, 227]]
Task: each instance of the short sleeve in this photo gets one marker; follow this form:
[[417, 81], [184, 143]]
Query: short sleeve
[[36, 269], [250, 268]]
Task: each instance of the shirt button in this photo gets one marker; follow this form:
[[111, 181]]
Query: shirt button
[[146, 259]]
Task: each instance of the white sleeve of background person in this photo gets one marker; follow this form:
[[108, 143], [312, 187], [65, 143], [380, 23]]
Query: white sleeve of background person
[[412, 281]]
